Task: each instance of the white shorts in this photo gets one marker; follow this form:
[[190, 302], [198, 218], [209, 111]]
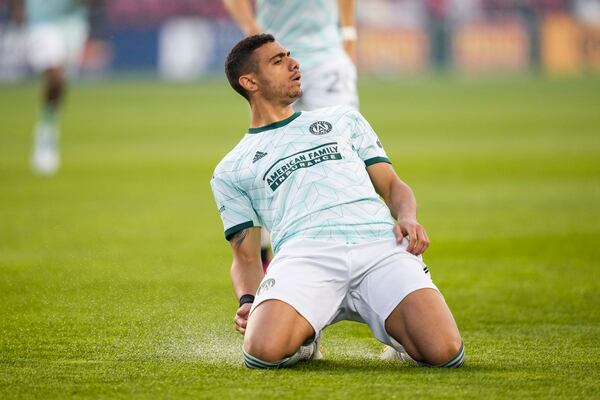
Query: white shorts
[[327, 282], [330, 84], [57, 44]]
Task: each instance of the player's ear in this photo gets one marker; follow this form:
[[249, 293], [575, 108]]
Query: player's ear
[[248, 82]]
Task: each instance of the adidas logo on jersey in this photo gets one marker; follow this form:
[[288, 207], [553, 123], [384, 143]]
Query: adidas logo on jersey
[[258, 156]]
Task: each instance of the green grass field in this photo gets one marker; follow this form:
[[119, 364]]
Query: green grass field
[[114, 274]]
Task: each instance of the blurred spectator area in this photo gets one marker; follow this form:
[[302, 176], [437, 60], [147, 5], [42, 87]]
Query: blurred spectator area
[[188, 39]]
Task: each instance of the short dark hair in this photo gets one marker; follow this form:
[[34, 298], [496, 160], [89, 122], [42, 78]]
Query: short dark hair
[[241, 60]]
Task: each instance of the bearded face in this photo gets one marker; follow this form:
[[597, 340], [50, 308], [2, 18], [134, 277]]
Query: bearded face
[[278, 74]]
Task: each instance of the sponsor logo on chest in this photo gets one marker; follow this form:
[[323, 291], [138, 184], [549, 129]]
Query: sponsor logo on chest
[[279, 171]]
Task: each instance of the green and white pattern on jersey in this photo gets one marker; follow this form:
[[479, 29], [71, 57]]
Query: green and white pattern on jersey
[[305, 177], [48, 11], [307, 28]]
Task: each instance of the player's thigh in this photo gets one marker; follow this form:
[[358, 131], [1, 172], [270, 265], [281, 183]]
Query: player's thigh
[[308, 275], [392, 276], [275, 330], [46, 47], [75, 33]]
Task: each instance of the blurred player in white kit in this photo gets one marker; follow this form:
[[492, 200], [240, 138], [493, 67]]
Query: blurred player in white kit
[[57, 32]]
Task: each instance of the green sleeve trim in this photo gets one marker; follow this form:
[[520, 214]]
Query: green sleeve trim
[[376, 160], [235, 229]]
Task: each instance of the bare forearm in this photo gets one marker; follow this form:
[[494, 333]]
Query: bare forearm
[[403, 206], [346, 12], [402, 202], [400, 199], [246, 270], [241, 11], [246, 277]]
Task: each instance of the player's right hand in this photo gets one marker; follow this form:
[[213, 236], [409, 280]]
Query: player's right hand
[[418, 241], [241, 317]]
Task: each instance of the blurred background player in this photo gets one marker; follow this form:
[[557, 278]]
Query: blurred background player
[[57, 31], [321, 35]]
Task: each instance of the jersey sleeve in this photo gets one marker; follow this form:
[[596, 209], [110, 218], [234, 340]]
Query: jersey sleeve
[[234, 205], [365, 141]]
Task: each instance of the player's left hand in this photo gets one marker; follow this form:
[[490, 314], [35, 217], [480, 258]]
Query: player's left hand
[[241, 317], [418, 241]]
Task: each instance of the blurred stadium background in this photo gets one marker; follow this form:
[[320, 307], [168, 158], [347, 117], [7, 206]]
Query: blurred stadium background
[[187, 39], [114, 273]]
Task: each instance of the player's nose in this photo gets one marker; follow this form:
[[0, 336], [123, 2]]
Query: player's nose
[[294, 64]]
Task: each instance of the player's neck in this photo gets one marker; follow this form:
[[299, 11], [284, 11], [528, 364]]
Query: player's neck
[[265, 114]]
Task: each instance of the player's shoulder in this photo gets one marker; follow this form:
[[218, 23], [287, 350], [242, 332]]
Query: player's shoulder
[[232, 160], [333, 113]]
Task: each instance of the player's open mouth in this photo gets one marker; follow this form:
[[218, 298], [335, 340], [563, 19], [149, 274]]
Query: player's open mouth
[[297, 77]]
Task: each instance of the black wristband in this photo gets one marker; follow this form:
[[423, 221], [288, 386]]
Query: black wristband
[[246, 298]]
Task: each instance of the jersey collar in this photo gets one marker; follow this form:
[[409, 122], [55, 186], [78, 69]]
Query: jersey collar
[[275, 125]]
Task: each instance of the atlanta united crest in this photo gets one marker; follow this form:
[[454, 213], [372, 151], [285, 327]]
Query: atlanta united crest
[[266, 285], [320, 128]]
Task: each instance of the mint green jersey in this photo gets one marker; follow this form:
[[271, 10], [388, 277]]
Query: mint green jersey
[[48, 11], [307, 28], [305, 177]]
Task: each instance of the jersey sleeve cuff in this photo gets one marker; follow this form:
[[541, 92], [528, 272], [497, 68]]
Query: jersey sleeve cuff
[[235, 229], [376, 160]]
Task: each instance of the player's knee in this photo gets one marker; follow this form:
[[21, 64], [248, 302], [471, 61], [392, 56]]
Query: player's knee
[[264, 355], [263, 349], [55, 78], [448, 354], [54, 91], [457, 355]]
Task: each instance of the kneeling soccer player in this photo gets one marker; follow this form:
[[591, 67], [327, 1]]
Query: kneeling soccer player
[[314, 180]]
